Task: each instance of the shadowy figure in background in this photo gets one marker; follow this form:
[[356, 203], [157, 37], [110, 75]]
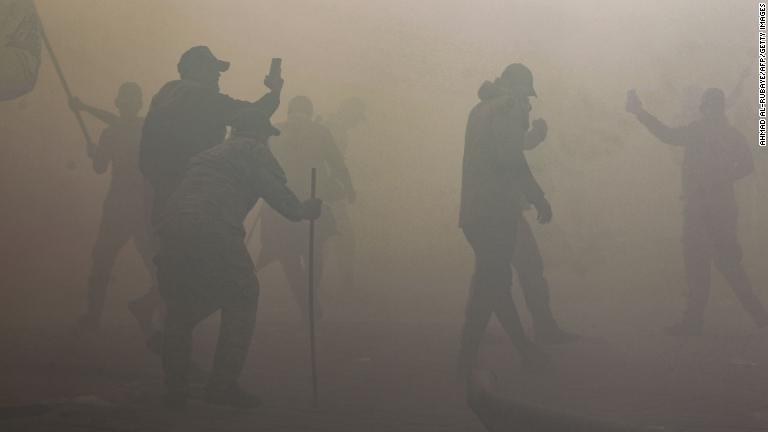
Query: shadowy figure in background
[[350, 114], [529, 264], [495, 177], [188, 116], [124, 216], [203, 264], [20, 46], [304, 144], [715, 156]]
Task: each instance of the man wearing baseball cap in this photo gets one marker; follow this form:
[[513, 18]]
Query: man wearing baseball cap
[[188, 116], [495, 178]]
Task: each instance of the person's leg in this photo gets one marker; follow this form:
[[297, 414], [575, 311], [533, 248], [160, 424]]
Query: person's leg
[[529, 264], [723, 228], [113, 235], [145, 307], [344, 245], [697, 257], [297, 281], [238, 317], [490, 293]]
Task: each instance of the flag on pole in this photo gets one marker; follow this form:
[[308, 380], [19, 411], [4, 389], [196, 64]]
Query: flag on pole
[[20, 48]]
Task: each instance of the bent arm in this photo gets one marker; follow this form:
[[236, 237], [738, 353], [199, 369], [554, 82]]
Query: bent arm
[[664, 133], [105, 116]]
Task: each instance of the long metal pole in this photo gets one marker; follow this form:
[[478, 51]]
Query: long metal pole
[[63, 80], [311, 296]]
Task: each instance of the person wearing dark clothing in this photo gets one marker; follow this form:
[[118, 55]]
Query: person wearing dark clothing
[[495, 177], [188, 116], [303, 144], [124, 215], [203, 264], [350, 114], [715, 156]]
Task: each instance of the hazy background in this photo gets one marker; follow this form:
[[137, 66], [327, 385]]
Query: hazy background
[[613, 251]]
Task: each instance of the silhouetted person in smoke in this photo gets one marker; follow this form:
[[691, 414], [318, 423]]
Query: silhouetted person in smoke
[[350, 114], [124, 213], [304, 144], [529, 264], [20, 46], [495, 177], [715, 156], [203, 265], [188, 116]]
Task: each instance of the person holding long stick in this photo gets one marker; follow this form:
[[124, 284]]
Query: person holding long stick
[[304, 144], [203, 264], [124, 216]]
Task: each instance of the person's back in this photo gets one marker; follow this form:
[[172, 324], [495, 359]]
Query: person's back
[[222, 184], [494, 170], [715, 155], [189, 116]]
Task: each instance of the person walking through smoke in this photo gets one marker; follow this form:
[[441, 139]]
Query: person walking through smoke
[[123, 216], [495, 176], [188, 116], [349, 115], [304, 144], [203, 264], [715, 156]]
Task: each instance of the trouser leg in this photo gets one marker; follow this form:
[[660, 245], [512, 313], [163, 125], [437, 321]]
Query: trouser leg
[[697, 257], [238, 318], [183, 314], [728, 255], [490, 293], [528, 263], [112, 237], [297, 280], [147, 305]]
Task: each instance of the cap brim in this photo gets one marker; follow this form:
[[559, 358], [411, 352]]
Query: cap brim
[[222, 65]]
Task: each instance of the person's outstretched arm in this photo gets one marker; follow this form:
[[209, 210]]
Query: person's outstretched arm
[[75, 104], [664, 133]]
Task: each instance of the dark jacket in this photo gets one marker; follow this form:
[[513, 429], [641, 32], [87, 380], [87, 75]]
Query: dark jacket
[[185, 119], [495, 173]]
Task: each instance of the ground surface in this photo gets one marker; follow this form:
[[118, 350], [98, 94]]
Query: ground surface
[[377, 376]]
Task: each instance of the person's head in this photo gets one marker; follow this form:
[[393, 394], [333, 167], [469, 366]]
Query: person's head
[[129, 99], [200, 65], [255, 123], [712, 103], [517, 79], [300, 108], [351, 112], [691, 99]]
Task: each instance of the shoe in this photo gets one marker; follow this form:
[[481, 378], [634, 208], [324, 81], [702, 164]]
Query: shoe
[[555, 336], [684, 328], [234, 397]]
